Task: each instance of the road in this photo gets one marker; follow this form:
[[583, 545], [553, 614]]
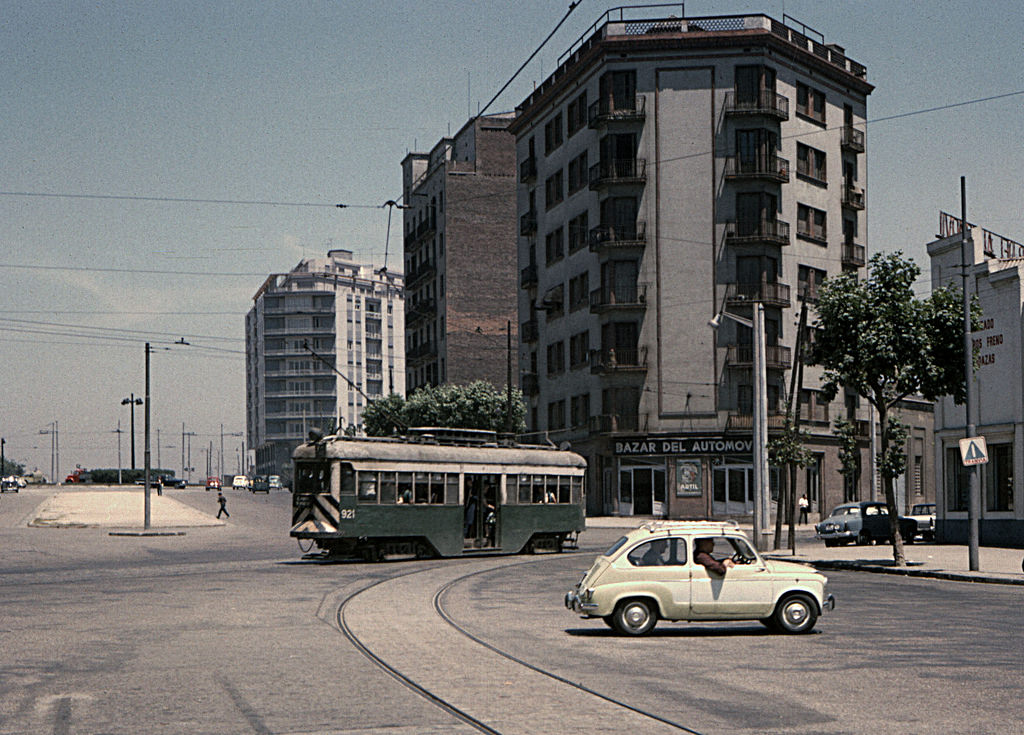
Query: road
[[226, 630]]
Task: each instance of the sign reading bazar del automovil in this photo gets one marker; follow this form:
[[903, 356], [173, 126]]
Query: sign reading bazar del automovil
[[675, 445]]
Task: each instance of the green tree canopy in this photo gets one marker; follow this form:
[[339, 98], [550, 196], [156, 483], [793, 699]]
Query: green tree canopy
[[478, 405], [876, 338]]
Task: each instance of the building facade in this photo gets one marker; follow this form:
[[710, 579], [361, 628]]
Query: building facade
[[994, 276], [349, 315], [460, 255], [668, 170]]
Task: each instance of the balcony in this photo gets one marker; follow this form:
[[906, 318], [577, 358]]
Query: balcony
[[528, 170], [420, 310], [742, 232], [530, 384], [763, 168], [765, 103], [743, 421], [769, 294], [610, 238], [618, 172], [528, 224], [423, 271], [421, 352], [529, 331], [426, 228], [854, 256], [853, 197], [612, 423], [528, 276], [776, 357], [852, 139], [606, 112], [618, 361], [618, 297]]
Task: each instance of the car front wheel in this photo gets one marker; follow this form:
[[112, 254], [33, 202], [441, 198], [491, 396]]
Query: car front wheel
[[635, 617], [796, 614]]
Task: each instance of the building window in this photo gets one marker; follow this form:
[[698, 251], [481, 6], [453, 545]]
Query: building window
[[579, 350], [579, 289], [810, 163], [813, 406], [556, 358], [809, 281], [554, 247], [753, 83], [579, 410], [810, 103], [578, 232], [576, 114], [617, 91], [554, 302], [999, 480], [553, 134], [578, 173], [556, 415], [810, 224], [554, 190], [956, 481]]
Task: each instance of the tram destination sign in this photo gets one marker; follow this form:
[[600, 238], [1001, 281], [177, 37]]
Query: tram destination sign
[[683, 445]]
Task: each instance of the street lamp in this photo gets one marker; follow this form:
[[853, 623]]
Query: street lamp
[[762, 511], [133, 401]]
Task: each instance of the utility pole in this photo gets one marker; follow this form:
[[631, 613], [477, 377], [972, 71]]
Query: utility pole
[[146, 524], [973, 481], [118, 432]]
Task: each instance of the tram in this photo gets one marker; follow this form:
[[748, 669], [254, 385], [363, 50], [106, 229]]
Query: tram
[[435, 492]]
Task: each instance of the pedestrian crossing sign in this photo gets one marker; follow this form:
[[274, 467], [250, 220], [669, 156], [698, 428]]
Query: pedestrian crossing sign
[[973, 450]]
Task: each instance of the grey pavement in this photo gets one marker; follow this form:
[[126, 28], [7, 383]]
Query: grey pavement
[[122, 508]]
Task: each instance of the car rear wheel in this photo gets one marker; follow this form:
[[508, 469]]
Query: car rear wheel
[[795, 614], [635, 617]]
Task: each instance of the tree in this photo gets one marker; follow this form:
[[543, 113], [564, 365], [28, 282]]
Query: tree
[[875, 337], [787, 452], [478, 405]]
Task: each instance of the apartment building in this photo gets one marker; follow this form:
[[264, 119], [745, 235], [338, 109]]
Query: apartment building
[[325, 313], [670, 169], [460, 255]]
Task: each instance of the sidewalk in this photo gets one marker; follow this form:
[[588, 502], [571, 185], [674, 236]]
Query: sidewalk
[[939, 561], [124, 508]]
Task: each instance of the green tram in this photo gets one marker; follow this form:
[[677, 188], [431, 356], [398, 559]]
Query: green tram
[[447, 492]]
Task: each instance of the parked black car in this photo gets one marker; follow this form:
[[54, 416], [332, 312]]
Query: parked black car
[[260, 484], [866, 522]]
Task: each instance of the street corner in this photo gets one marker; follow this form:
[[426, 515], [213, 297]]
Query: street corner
[[116, 509]]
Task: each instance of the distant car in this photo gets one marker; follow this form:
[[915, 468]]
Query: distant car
[[650, 574], [863, 523], [241, 482], [260, 484], [213, 483], [274, 482], [173, 481], [923, 514], [9, 484]]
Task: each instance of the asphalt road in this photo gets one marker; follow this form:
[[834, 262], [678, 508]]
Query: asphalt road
[[227, 630]]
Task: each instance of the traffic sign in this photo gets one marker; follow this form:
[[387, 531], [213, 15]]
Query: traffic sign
[[973, 450]]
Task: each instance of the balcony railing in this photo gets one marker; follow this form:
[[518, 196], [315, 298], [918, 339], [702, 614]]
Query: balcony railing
[[618, 171], [757, 231], [743, 421], [422, 351], [854, 255], [421, 310], [769, 168], [424, 270], [765, 102], [605, 111], [529, 331], [624, 235], [776, 357], [614, 423], [770, 294], [528, 224], [618, 296], [528, 276], [608, 361], [853, 139], [853, 197], [528, 170], [426, 228]]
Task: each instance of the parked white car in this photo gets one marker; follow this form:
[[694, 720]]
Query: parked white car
[[924, 515], [241, 482]]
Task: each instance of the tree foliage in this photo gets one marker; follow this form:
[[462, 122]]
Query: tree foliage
[[478, 405], [876, 338]]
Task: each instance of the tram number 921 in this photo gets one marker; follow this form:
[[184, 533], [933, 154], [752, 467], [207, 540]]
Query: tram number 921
[[348, 514]]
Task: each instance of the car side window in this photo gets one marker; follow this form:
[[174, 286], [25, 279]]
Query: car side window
[[655, 553], [871, 510]]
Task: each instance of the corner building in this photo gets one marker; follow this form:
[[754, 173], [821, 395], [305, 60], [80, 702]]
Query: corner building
[[669, 169], [351, 315]]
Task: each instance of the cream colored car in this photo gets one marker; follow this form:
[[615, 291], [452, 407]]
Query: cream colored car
[[651, 574]]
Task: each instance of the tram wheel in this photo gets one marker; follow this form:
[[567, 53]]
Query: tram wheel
[[423, 551]]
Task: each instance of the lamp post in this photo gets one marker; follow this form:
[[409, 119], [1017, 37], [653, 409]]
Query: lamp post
[[133, 401], [762, 510]]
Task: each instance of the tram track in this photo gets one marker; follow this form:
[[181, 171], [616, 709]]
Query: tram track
[[444, 702]]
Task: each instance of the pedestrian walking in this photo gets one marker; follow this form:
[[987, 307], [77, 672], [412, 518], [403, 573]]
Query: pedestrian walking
[[223, 505], [804, 507]]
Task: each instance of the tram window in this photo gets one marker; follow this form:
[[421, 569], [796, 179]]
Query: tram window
[[538, 488], [348, 480], [421, 489], [436, 488], [511, 489], [451, 495], [367, 487], [577, 489], [524, 489], [387, 487], [314, 477], [564, 491], [551, 494], [404, 487]]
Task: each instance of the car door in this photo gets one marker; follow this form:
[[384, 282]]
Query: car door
[[744, 591], [658, 567]]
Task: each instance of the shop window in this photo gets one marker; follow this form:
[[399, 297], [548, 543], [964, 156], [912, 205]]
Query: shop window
[[956, 481], [999, 477]]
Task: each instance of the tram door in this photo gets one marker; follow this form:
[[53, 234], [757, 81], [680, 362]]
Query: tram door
[[481, 511]]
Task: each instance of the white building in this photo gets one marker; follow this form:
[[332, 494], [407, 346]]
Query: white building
[[350, 315], [995, 274]]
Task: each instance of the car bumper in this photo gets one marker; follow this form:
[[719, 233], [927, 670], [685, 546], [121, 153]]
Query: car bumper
[[828, 604], [576, 604], [834, 535]]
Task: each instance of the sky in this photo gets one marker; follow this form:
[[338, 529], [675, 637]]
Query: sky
[[159, 160]]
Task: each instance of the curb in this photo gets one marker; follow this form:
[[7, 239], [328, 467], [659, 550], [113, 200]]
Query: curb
[[910, 571]]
